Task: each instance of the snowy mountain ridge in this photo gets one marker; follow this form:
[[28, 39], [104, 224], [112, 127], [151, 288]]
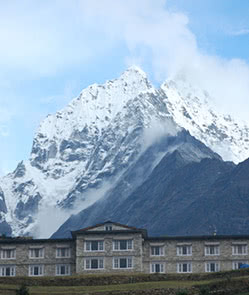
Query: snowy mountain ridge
[[194, 110]]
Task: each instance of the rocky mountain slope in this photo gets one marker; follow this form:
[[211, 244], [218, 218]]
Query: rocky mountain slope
[[107, 142], [162, 197]]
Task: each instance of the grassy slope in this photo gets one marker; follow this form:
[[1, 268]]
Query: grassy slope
[[229, 278]]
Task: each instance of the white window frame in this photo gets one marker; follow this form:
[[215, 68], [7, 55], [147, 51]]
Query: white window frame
[[180, 267], [244, 249], [180, 250], [153, 251], [116, 263], [67, 269], [5, 251], [32, 252], [235, 264], [40, 270], [116, 245], [161, 267], [88, 263], [208, 250], [3, 269], [108, 227], [208, 266], [88, 245], [59, 252]]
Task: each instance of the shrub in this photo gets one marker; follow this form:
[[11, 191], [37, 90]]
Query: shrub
[[204, 291], [182, 292], [23, 290]]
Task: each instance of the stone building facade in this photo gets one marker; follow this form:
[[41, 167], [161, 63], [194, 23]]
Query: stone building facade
[[115, 248]]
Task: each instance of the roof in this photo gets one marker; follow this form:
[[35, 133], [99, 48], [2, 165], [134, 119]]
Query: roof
[[108, 222], [90, 229], [200, 237], [29, 240]]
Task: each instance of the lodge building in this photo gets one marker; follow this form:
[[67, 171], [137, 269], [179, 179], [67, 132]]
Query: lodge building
[[111, 247]]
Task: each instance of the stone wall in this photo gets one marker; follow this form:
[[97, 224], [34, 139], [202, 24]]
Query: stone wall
[[108, 254], [22, 259], [198, 257]]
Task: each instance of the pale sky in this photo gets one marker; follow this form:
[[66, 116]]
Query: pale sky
[[51, 49]]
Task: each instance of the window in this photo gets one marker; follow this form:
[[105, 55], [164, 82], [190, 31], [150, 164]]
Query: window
[[7, 271], [36, 253], [237, 264], [184, 267], [94, 245], [212, 250], [63, 252], [157, 267], [185, 250], [63, 270], [36, 270], [157, 251], [122, 262], [240, 249], [8, 254], [212, 266], [94, 263], [122, 245], [108, 227]]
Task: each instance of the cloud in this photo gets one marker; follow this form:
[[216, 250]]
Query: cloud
[[157, 130], [49, 218], [42, 39], [161, 40], [244, 31], [51, 38]]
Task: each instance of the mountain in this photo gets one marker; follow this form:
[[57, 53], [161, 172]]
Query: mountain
[[81, 151], [193, 109], [103, 146]]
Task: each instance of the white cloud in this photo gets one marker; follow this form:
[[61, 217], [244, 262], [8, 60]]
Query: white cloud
[[157, 130], [55, 35], [162, 40], [244, 31], [44, 38], [50, 218]]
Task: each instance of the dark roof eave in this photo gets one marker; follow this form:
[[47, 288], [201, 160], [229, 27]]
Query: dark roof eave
[[109, 222], [92, 232], [33, 241], [211, 237]]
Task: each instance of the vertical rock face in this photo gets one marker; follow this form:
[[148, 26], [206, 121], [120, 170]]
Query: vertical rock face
[[4, 226], [90, 149]]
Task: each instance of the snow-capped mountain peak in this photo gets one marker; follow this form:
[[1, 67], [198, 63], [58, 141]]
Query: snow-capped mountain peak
[[96, 105], [194, 109], [99, 133]]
